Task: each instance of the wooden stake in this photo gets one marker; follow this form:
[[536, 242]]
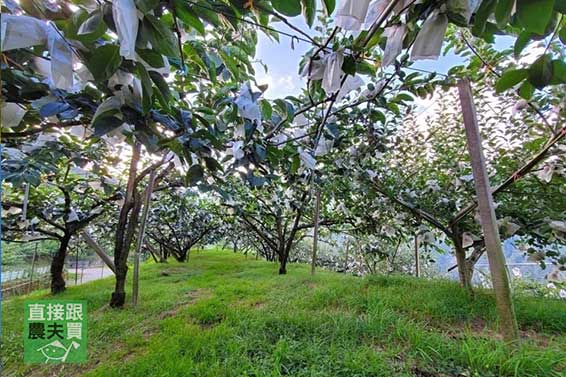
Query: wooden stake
[[347, 255], [98, 250], [315, 232], [417, 257], [26, 201], [497, 267], [33, 266], [141, 234], [76, 266]]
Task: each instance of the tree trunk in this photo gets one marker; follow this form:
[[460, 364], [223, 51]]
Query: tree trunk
[[182, 255], [119, 295], [127, 222], [140, 238], [469, 266], [283, 266], [58, 264], [463, 275], [283, 256]]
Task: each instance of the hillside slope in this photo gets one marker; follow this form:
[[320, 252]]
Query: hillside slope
[[224, 315]]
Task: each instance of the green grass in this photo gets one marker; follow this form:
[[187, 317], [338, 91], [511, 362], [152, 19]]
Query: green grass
[[224, 315]]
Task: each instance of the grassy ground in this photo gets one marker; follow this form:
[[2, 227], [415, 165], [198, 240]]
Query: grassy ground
[[223, 315]]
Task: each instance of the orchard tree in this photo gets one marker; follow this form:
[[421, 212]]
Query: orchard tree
[[52, 192], [178, 221]]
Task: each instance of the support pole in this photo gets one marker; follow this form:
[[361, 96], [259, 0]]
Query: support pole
[[26, 201], [417, 257], [32, 266], [98, 250], [76, 266], [347, 255], [315, 231], [141, 234], [499, 276]]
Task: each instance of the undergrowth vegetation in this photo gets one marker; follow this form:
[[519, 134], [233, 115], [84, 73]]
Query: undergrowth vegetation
[[225, 315]]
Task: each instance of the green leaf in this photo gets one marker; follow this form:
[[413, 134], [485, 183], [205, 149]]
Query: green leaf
[[535, 15], [160, 36], [212, 164], [188, 16], [266, 109], [510, 78], [366, 68], [503, 12], [309, 10], [53, 108], [540, 72], [195, 174], [260, 152], [289, 8], [93, 24], [526, 90], [349, 65], [146, 6], [151, 57], [329, 6], [147, 88], [163, 93], [484, 11], [285, 108], [562, 35], [231, 64], [558, 72], [105, 124], [560, 6], [104, 61], [522, 41], [405, 97]]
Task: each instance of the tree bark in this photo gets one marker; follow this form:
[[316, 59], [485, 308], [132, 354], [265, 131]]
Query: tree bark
[[58, 265], [141, 235], [128, 215], [282, 265], [465, 280], [119, 295]]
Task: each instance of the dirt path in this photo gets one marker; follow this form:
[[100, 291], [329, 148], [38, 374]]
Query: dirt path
[[89, 274]]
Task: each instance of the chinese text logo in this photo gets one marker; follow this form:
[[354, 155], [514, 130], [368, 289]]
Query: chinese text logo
[[55, 332]]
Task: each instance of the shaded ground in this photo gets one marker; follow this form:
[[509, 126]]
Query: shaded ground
[[223, 315]]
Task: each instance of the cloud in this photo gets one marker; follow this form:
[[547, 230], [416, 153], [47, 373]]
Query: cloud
[[279, 87]]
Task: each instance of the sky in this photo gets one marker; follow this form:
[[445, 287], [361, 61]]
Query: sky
[[282, 59]]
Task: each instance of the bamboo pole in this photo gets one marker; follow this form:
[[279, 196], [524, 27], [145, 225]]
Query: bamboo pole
[[499, 275], [141, 234]]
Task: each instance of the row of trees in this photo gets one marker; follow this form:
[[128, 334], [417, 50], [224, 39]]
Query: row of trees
[[106, 102]]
